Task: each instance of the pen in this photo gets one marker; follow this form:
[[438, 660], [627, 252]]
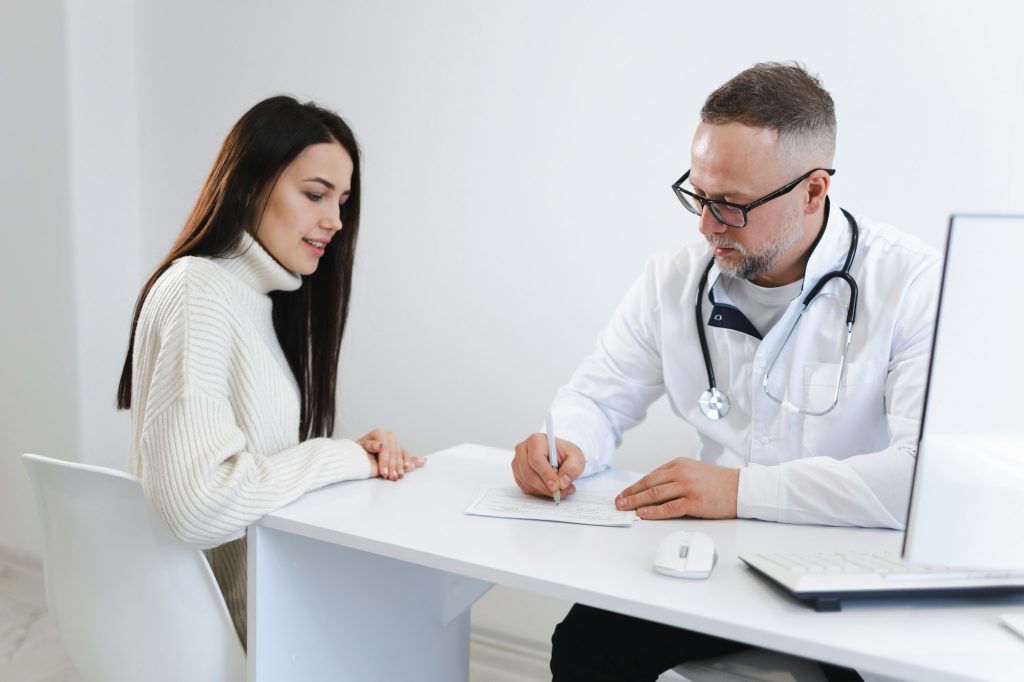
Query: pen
[[552, 451]]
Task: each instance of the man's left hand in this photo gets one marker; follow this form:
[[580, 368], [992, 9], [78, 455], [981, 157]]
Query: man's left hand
[[683, 487]]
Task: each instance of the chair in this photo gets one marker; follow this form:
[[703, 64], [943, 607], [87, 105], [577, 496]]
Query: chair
[[131, 602]]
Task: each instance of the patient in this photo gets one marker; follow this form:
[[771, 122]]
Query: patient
[[233, 354]]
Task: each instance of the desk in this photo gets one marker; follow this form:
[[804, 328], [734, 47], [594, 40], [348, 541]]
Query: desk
[[373, 580]]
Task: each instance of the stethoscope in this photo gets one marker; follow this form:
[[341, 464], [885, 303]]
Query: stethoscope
[[715, 404]]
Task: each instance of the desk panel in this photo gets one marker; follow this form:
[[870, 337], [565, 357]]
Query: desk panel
[[420, 521]]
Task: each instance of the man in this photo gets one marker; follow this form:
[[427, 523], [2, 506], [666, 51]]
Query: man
[[794, 425]]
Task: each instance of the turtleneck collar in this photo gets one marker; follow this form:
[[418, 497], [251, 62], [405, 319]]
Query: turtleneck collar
[[251, 263]]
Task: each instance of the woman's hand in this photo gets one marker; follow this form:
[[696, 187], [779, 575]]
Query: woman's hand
[[388, 459]]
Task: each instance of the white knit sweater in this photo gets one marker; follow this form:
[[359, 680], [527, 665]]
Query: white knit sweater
[[215, 409]]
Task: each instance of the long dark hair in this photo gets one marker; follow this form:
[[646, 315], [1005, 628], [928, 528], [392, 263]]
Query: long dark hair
[[310, 321]]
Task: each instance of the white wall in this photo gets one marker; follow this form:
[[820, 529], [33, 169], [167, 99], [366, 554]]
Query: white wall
[[70, 240], [38, 383], [104, 214], [518, 158]]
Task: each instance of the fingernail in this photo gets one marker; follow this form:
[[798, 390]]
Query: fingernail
[[552, 485], [565, 481], [619, 502], [384, 472]]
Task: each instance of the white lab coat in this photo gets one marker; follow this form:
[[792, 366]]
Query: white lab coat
[[852, 466]]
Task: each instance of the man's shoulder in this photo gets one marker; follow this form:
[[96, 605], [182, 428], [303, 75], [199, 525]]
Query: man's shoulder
[[895, 264], [670, 275], [686, 262], [884, 240]]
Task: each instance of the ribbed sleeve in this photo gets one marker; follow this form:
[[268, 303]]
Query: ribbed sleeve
[[207, 485]]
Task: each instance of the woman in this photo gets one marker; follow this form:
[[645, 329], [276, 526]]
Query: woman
[[233, 354]]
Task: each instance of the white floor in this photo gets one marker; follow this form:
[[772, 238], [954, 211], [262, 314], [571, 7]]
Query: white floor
[[31, 650]]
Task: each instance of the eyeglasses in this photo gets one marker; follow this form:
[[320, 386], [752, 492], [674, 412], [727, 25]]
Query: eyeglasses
[[726, 212]]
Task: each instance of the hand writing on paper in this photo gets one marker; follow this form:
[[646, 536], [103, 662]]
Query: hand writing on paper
[[533, 472], [591, 508], [683, 487], [388, 459]]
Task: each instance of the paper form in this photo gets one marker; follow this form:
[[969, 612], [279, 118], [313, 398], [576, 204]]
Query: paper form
[[590, 508]]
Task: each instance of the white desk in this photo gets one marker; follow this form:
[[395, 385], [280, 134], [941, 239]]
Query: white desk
[[373, 580]]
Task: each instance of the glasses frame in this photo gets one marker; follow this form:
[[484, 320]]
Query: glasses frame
[[704, 202]]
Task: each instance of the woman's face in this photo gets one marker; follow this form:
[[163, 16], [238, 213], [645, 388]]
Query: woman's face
[[303, 209]]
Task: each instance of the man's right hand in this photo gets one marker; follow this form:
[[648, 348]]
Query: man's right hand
[[532, 468]]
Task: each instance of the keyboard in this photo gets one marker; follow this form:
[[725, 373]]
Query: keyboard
[[829, 576]]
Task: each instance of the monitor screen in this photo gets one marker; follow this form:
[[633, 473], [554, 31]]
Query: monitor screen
[[967, 503]]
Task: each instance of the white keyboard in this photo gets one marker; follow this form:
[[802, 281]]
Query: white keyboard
[[826, 577], [886, 564]]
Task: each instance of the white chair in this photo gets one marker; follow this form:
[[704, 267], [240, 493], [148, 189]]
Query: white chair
[[131, 602]]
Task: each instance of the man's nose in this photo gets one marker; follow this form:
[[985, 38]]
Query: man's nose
[[709, 224]]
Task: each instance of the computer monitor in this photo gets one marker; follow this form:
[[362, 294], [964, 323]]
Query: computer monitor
[[967, 503]]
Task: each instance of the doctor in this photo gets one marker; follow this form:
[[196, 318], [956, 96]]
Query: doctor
[[805, 415]]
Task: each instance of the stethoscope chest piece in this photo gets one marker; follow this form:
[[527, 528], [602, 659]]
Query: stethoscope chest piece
[[713, 403]]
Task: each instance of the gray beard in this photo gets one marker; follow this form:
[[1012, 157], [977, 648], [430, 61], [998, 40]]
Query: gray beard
[[753, 265]]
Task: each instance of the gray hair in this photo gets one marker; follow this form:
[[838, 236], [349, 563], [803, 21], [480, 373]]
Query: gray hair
[[782, 97]]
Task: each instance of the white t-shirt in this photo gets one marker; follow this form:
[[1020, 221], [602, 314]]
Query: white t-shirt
[[763, 306]]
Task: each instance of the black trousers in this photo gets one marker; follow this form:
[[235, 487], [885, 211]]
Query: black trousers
[[592, 645]]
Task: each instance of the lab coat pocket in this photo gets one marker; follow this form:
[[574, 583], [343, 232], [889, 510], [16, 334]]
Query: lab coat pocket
[[857, 424]]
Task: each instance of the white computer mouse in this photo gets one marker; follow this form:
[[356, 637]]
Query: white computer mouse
[[685, 554]]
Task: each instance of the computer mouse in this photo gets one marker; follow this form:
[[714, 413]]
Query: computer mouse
[[685, 554]]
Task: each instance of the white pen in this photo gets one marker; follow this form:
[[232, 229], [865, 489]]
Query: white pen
[[549, 425]]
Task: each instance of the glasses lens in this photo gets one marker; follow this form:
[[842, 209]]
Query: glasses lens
[[728, 215], [688, 202]]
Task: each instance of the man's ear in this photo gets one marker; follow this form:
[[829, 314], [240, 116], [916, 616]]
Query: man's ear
[[817, 190]]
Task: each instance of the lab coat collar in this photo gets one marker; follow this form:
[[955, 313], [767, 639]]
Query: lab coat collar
[[828, 254]]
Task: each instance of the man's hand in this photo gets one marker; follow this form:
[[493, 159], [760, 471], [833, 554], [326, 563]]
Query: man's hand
[[532, 469], [683, 487]]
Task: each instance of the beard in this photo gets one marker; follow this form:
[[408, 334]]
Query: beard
[[756, 263]]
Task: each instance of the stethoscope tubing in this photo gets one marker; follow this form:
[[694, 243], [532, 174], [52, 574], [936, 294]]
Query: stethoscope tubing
[[722, 407]]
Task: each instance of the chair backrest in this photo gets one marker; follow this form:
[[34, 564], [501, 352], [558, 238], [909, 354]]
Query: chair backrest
[[131, 602]]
